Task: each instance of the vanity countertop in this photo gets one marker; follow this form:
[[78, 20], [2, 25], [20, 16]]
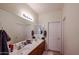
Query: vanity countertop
[[27, 49]]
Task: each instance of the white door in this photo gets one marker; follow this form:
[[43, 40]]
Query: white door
[[55, 36]]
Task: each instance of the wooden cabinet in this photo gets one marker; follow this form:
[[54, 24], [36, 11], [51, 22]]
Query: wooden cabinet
[[39, 49]]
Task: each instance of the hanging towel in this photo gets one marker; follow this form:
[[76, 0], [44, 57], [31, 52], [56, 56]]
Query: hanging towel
[[4, 39], [0, 42]]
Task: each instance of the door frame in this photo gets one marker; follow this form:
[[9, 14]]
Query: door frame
[[62, 39]]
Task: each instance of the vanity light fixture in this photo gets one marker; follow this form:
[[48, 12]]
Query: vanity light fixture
[[27, 17]]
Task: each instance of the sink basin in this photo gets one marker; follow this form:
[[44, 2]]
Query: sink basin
[[26, 49]]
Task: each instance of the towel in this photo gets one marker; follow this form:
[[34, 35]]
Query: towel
[[0, 42], [4, 38]]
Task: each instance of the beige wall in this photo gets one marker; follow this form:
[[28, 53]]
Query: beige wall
[[18, 8], [17, 28], [71, 29], [10, 24], [49, 17]]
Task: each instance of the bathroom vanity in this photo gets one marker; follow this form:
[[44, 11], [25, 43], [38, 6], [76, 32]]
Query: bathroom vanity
[[36, 48], [39, 49]]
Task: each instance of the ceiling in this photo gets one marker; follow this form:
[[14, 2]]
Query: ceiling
[[45, 7]]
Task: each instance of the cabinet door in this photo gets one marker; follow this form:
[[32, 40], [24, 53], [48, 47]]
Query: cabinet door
[[39, 49]]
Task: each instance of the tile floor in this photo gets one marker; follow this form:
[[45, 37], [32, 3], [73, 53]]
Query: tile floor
[[51, 53]]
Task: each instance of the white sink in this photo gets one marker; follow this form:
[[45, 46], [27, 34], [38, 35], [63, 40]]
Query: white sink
[[27, 49]]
